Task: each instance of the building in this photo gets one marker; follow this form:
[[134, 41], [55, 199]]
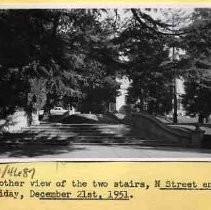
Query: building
[[121, 100], [180, 91]]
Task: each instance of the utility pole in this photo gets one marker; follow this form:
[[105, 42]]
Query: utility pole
[[174, 92], [174, 79], [178, 18]]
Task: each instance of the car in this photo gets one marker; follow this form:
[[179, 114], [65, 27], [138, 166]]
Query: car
[[41, 112], [58, 111]]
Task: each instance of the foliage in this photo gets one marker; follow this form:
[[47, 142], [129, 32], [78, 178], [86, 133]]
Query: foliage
[[197, 44], [72, 57], [99, 96], [197, 100], [52, 52], [12, 91], [143, 46]]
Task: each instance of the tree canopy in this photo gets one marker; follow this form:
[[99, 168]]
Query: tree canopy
[[197, 43], [73, 56], [143, 45], [58, 51]]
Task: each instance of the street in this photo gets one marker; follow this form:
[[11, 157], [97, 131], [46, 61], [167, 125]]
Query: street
[[88, 151]]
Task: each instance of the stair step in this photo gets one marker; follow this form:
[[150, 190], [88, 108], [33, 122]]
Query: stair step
[[64, 134], [78, 138], [76, 130], [67, 142], [73, 134], [75, 127]]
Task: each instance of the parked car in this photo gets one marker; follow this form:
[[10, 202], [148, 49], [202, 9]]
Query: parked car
[[41, 112], [58, 111]]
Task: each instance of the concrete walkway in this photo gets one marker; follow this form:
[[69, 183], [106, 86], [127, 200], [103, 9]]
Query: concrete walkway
[[39, 152]]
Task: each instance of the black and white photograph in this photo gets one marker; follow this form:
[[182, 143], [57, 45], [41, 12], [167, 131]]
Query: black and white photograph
[[105, 83]]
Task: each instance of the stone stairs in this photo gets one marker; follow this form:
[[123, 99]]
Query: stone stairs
[[65, 134]]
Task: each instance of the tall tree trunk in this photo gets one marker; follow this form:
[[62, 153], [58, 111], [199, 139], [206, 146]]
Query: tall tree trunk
[[201, 118], [47, 108], [29, 110]]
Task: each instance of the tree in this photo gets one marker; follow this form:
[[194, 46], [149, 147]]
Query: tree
[[33, 45], [143, 45], [54, 50], [197, 100], [177, 19], [12, 91], [197, 44]]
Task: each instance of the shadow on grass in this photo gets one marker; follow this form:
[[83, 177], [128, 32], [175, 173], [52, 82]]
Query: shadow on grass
[[77, 119], [30, 151], [34, 144]]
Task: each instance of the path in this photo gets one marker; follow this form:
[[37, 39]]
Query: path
[[43, 152]]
